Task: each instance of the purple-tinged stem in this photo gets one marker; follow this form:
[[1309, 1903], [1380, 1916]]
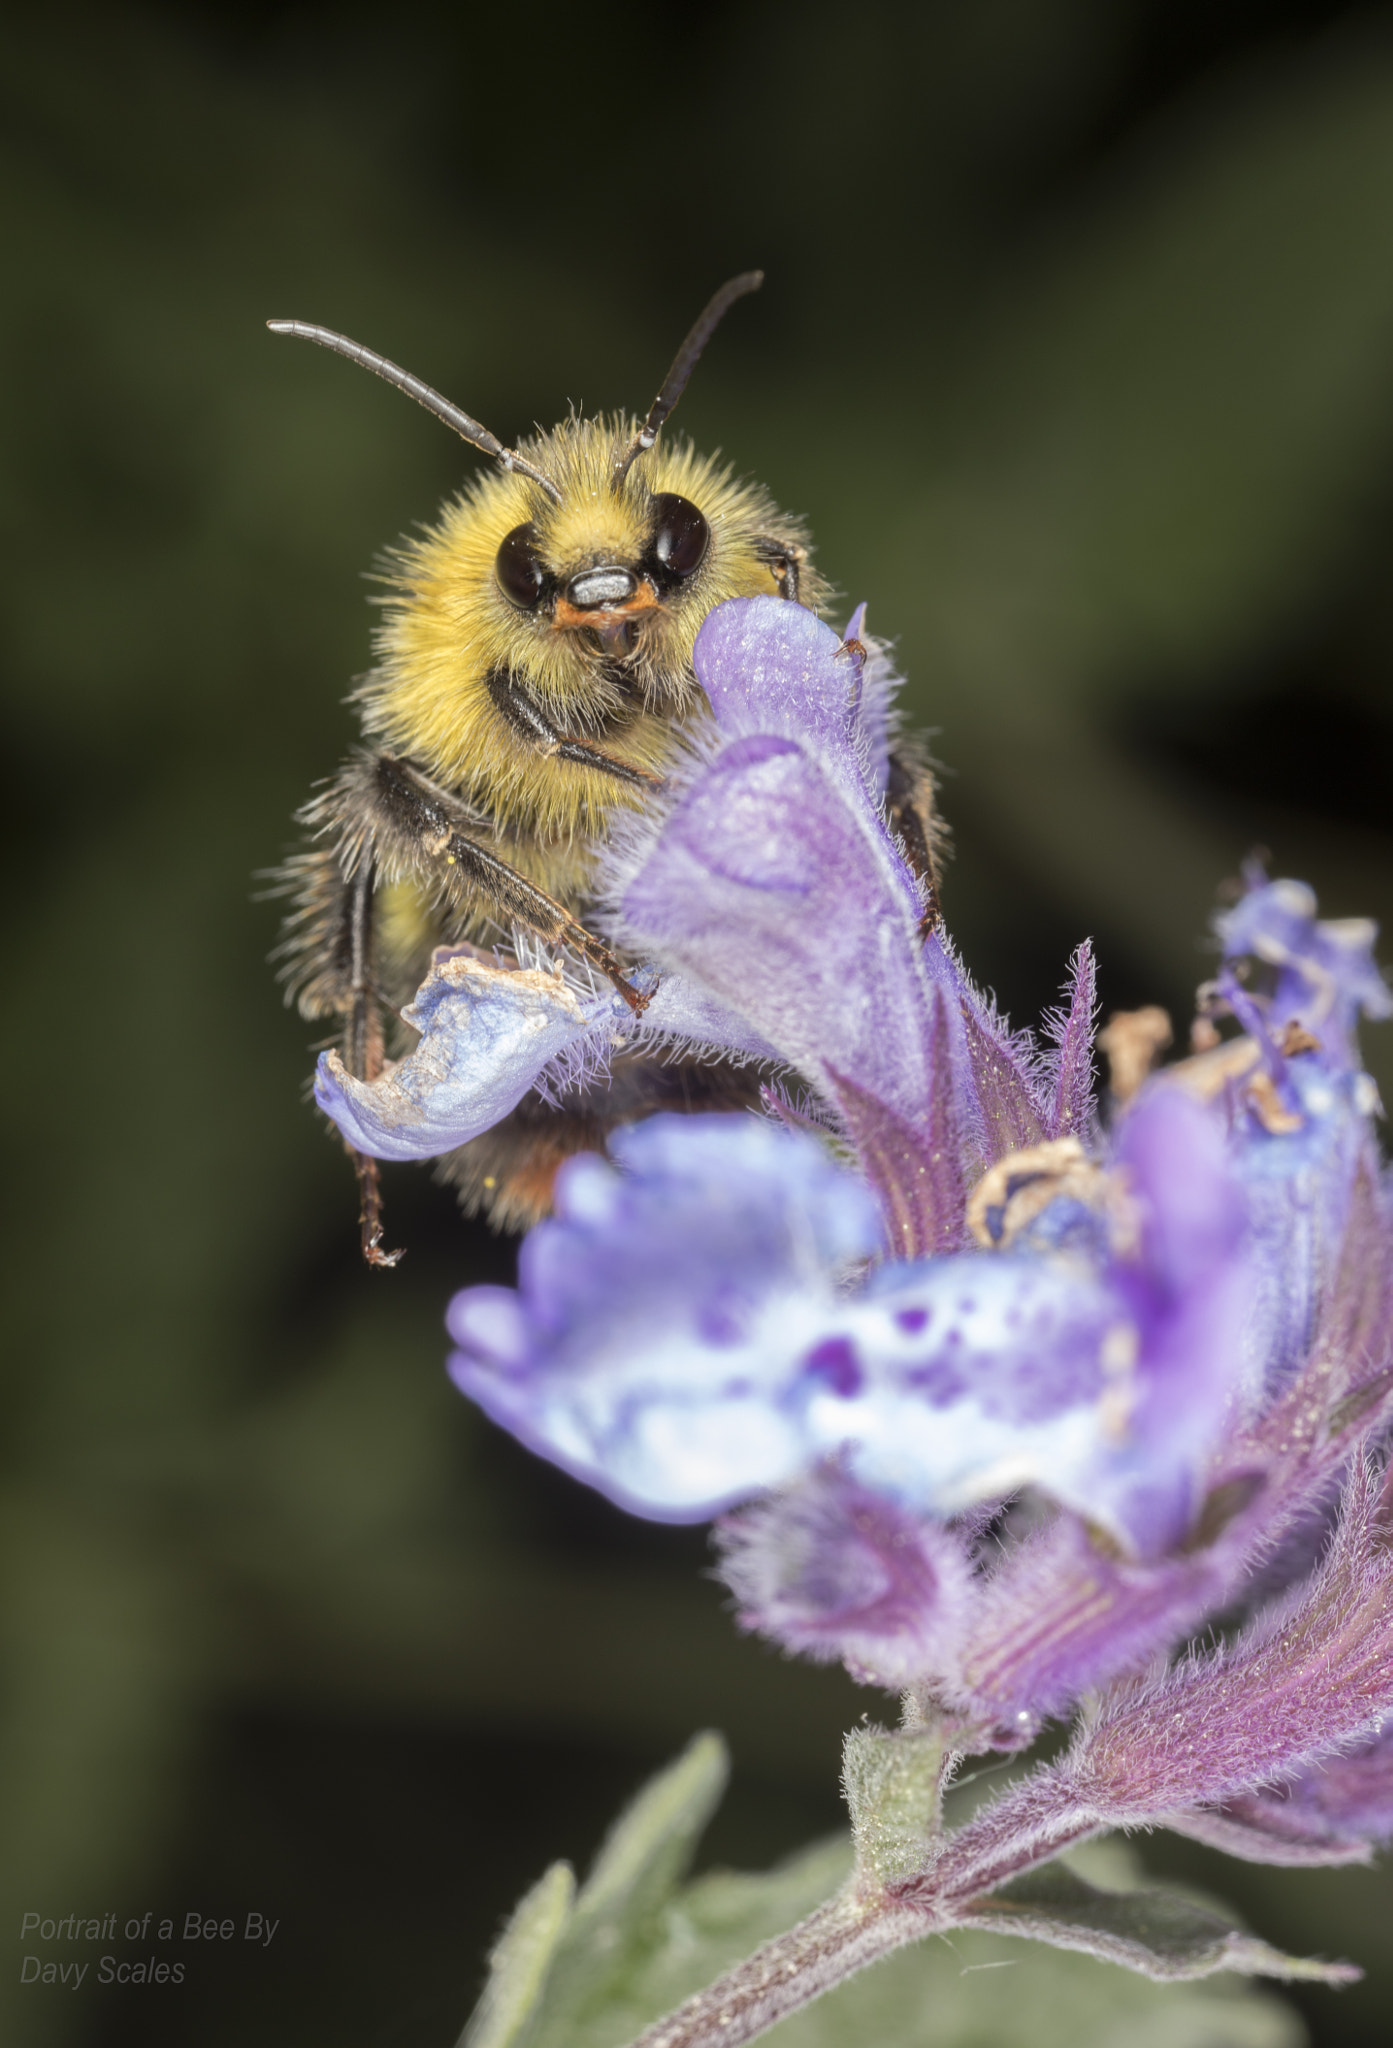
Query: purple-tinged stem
[[1028, 1825], [831, 1945]]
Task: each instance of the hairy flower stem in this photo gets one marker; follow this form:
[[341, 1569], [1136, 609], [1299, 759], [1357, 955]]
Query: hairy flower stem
[[787, 1973], [863, 1924]]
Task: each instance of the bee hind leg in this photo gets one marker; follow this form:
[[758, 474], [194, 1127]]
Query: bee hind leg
[[363, 1053], [326, 956]]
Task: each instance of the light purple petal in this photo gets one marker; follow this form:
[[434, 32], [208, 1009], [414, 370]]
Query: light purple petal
[[768, 667], [875, 714], [644, 1348], [830, 1570], [792, 907], [1325, 969], [682, 1338], [917, 1173], [1190, 1293]]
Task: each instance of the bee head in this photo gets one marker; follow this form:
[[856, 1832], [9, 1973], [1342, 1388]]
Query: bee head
[[602, 549], [601, 562], [609, 550]]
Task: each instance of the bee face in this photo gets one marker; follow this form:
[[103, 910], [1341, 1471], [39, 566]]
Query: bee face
[[603, 561], [608, 584], [589, 601]]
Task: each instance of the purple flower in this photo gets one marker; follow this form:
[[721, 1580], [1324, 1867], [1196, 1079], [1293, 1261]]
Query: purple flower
[[995, 1408]]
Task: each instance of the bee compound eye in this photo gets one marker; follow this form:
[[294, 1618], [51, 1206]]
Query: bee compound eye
[[682, 536], [518, 567]]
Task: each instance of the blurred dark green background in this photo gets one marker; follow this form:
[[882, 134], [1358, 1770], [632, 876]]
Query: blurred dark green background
[[1077, 351]]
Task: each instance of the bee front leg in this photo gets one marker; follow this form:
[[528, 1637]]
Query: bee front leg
[[433, 832], [326, 957], [530, 722]]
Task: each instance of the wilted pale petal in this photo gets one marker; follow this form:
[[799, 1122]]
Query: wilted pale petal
[[487, 1032]]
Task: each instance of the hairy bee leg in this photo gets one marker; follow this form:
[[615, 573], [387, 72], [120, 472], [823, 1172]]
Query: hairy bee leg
[[527, 719], [414, 811], [786, 558], [909, 803], [363, 1052]]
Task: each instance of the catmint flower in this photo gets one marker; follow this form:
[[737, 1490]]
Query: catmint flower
[[998, 1407], [993, 1406]]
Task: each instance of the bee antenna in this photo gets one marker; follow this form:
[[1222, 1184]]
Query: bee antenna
[[468, 429], [684, 362]]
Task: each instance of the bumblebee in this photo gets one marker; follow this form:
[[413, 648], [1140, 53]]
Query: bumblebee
[[534, 675]]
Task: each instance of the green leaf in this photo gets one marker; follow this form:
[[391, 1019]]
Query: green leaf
[[638, 1942], [893, 1785], [519, 1963], [644, 1856], [1165, 1935]]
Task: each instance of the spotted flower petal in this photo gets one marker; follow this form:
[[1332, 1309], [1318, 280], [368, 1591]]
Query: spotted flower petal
[[682, 1336], [646, 1346]]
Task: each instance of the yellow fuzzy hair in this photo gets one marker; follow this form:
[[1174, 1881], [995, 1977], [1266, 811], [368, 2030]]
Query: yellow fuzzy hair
[[448, 626]]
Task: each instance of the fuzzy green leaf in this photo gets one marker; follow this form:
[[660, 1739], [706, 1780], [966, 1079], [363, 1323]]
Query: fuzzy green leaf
[[614, 1923], [1165, 1935], [519, 1963], [892, 1781], [638, 1942]]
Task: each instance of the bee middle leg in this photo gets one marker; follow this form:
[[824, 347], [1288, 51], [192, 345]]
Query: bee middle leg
[[912, 809], [786, 558]]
